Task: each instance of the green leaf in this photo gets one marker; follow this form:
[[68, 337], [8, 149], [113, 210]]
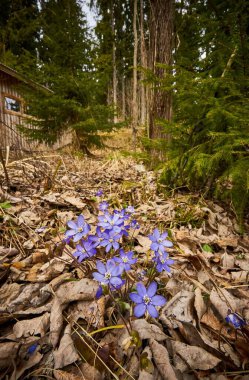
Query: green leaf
[[5, 205], [207, 248]]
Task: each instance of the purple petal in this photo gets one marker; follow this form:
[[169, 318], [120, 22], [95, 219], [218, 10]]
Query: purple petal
[[167, 243], [78, 236], [72, 225], [158, 300], [154, 246], [141, 289], [139, 310], [116, 281], [151, 291], [152, 311], [81, 221], [69, 233], [101, 267], [110, 265], [118, 270], [136, 298], [99, 277]]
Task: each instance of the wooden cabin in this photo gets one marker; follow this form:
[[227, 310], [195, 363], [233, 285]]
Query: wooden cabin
[[13, 113]]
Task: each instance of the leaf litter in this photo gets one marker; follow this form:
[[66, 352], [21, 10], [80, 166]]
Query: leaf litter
[[48, 310]]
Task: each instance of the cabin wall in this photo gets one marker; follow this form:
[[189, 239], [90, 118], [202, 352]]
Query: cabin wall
[[9, 133]]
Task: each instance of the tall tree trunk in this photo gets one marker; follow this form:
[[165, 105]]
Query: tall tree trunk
[[134, 92], [143, 64], [123, 98], [161, 46], [114, 67]]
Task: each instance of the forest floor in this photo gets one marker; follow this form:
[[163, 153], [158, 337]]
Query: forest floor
[[52, 325]]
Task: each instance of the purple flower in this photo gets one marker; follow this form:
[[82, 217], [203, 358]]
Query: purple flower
[[109, 274], [103, 206], [126, 258], [159, 241], [111, 222], [99, 193], [146, 300], [235, 319], [87, 249], [110, 240], [78, 230], [130, 209], [163, 262], [97, 238], [32, 349], [134, 224]]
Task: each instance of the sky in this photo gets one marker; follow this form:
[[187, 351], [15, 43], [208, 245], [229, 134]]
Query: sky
[[89, 14]]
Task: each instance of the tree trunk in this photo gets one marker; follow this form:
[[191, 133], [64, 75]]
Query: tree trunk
[[160, 52], [134, 92], [114, 67], [143, 64]]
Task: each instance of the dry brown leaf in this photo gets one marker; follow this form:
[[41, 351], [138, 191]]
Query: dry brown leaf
[[8, 353], [162, 361], [200, 306], [223, 301], [28, 292], [195, 357], [31, 362], [180, 308], [63, 375], [91, 311], [227, 261], [144, 242], [90, 373], [29, 218], [66, 353], [83, 290], [145, 330], [77, 202], [35, 326]]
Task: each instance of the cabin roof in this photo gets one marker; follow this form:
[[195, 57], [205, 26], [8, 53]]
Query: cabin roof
[[14, 74]]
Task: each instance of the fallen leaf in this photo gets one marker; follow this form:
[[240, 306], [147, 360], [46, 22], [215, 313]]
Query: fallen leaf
[[199, 303], [8, 353], [162, 361], [195, 357], [144, 242], [31, 362], [35, 326], [223, 301], [63, 375], [66, 353], [180, 307]]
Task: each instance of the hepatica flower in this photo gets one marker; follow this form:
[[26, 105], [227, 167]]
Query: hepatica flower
[[235, 319], [126, 258], [99, 193], [163, 262], [109, 274], [78, 229], [110, 240], [84, 250], [159, 241], [146, 300], [103, 206], [111, 222]]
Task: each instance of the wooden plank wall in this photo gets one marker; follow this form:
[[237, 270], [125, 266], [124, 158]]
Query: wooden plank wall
[[9, 133]]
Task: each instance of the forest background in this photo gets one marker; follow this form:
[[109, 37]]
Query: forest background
[[174, 71]]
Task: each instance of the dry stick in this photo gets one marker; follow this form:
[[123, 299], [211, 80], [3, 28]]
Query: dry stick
[[4, 168], [99, 346]]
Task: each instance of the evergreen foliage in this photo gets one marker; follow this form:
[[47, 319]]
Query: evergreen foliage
[[209, 146], [67, 67]]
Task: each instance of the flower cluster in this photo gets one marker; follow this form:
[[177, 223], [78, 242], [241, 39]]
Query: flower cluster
[[159, 243], [109, 244]]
